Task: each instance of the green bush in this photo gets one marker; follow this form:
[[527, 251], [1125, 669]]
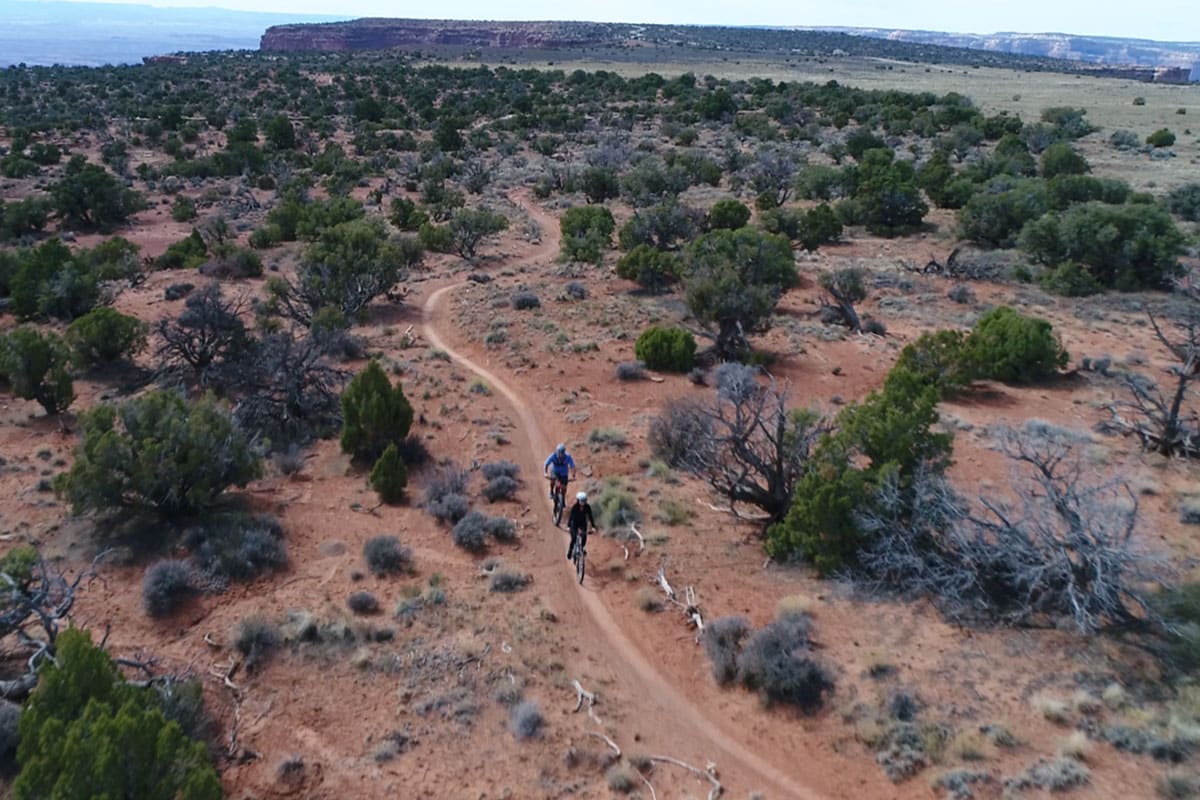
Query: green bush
[[995, 215], [35, 365], [407, 215], [158, 452], [85, 732], [649, 267], [666, 349], [183, 209], [436, 238], [49, 281], [936, 360], [1062, 159], [586, 233], [819, 226], [104, 336], [89, 196], [1128, 247], [1185, 201], [1070, 280], [187, 253], [389, 476], [888, 436], [1161, 138], [375, 414], [728, 213], [1009, 347]]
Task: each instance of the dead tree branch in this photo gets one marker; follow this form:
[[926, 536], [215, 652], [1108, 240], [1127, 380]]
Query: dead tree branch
[[709, 773]]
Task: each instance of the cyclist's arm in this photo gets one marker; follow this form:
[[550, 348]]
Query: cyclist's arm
[[590, 519]]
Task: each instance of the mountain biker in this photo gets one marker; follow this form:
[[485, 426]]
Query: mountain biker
[[561, 464], [578, 521]]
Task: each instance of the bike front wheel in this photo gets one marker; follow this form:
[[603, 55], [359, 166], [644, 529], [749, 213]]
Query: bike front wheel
[[580, 562]]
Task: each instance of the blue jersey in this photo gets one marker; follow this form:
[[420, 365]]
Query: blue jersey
[[561, 465]]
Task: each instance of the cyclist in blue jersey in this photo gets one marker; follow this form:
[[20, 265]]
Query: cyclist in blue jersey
[[559, 465]]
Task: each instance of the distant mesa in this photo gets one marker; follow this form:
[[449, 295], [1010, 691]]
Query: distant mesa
[[1139, 59], [382, 34]]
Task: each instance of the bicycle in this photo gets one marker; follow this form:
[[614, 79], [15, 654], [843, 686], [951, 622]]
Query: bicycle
[[558, 491], [579, 555]]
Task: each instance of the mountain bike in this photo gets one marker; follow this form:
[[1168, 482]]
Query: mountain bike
[[558, 491], [579, 556]]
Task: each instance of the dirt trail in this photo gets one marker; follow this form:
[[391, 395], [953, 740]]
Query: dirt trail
[[666, 720]]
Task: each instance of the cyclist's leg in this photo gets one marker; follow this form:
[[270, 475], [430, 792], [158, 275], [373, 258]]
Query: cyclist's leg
[[571, 546]]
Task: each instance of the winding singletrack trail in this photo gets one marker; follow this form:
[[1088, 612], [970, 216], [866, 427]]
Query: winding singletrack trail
[[666, 719]]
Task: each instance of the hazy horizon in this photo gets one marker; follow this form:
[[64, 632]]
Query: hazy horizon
[[981, 17]]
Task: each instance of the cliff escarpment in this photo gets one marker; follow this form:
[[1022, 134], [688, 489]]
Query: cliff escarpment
[[381, 34]]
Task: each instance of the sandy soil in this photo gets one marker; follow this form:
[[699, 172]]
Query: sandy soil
[[430, 679]]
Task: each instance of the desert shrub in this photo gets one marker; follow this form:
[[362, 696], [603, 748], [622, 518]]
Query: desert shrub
[[35, 366], [470, 532], [1009, 347], [666, 349], [818, 226], [615, 506], [257, 639], [1161, 138], [1124, 139], [888, 436], [621, 778], [1062, 159], [237, 547], [501, 529], [1127, 247], [406, 215], [49, 281], [445, 492], [497, 469], [722, 642], [1056, 776], [575, 290], [507, 581], [648, 266], [166, 586], [188, 253], [362, 603], [631, 371], [586, 233], [178, 291], [85, 732], [526, 720], [1185, 202], [961, 293], [525, 300], [386, 556], [160, 452], [389, 476], [500, 487], [450, 507], [996, 215], [776, 662], [935, 359], [1070, 279], [375, 414], [183, 209], [728, 213], [104, 336]]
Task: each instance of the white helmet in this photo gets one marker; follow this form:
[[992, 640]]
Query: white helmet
[[581, 496]]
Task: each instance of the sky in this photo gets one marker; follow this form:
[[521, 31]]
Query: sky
[[1164, 20]]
